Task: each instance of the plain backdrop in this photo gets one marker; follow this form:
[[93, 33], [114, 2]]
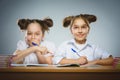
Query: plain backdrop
[[104, 32]]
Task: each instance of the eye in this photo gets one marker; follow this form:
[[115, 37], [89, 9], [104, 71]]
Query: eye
[[29, 33], [84, 26], [75, 27], [37, 33]]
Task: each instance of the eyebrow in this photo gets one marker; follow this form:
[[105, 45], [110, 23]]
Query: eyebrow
[[82, 25], [31, 31]]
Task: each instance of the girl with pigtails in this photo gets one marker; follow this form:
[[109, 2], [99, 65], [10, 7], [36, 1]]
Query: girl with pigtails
[[34, 49], [78, 50]]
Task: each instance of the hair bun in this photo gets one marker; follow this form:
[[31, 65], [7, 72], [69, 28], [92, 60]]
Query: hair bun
[[23, 23], [48, 22], [67, 21], [90, 18]]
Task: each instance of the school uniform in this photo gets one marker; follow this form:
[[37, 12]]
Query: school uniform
[[71, 50], [32, 58]]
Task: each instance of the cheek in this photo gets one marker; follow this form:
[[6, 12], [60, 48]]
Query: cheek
[[39, 38], [86, 31], [72, 31], [28, 38]]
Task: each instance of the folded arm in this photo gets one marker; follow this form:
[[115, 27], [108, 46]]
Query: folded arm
[[81, 60], [106, 61]]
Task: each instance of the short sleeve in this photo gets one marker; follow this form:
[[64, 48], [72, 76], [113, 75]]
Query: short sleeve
[[49, 45], [21, 45], [59, 54], [101, 53]]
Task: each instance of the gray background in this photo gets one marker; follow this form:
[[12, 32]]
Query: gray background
[[104, 32]]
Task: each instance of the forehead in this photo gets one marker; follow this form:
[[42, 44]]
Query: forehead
[[34, 27], [79, 21]]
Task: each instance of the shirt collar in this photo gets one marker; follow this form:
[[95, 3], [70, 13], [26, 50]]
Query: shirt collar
[[73, 42]]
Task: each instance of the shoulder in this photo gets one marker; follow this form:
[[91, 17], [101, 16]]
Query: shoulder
[[98, 49], [49, 45], [65, 43], [21, 42], [93, 46], [45, 43], [21, 45]]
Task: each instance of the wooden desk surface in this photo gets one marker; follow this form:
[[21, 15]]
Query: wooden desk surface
[[63, 73], [52, 68]]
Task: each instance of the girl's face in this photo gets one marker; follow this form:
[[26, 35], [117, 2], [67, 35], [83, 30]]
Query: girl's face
[[79, 30], [34, 34]]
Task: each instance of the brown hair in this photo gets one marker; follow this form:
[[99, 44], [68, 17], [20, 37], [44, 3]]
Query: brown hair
[[86, 17], [45, 24]]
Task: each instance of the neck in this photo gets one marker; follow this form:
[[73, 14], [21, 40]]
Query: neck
[[81, 41]]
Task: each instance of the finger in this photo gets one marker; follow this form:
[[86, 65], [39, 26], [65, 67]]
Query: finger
[[49, 52], [84, 57]]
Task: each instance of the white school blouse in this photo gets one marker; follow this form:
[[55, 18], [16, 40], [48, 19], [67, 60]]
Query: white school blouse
[[71, 50], [32, 58]]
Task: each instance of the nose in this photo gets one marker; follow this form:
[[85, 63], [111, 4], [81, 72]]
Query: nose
[[80, 30], [33, 36]]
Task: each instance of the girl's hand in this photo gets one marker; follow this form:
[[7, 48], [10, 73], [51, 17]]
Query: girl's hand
[[43, 50], [82, 60]]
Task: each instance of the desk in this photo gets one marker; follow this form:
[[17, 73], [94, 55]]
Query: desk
[[62, 73]]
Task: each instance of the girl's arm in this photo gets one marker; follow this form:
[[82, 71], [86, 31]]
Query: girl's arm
[[81, 60], [44, 60], [106, 61], [20, 54]]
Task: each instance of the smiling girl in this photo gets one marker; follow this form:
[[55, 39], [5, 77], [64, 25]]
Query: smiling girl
[[78, 50]]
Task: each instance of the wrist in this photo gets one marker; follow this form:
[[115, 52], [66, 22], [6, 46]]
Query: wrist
[[96, 62], [33, 49], [38, 53]]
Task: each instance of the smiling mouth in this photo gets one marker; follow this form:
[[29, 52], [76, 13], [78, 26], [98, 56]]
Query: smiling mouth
[[80, 35]]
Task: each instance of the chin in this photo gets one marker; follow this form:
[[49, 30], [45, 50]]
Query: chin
[[80, 39]]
